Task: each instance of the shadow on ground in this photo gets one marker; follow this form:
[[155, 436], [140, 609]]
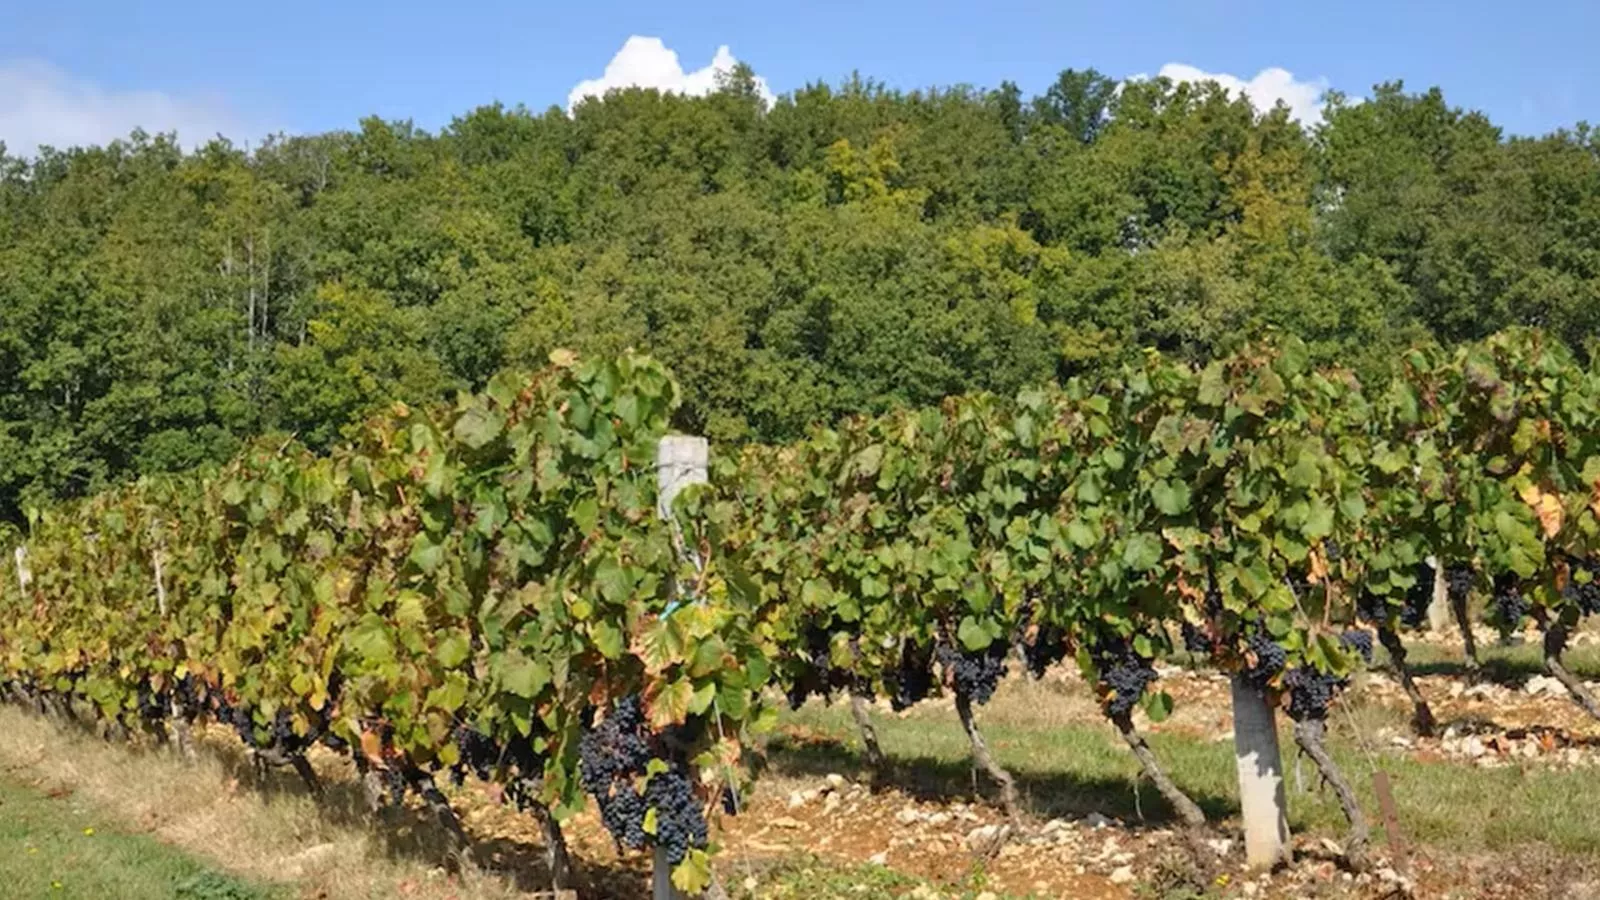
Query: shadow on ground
[[413, 833], [1047, 795]]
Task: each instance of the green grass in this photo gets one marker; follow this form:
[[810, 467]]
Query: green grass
[[1506, 664], [56, 848], [813, 878], [1072, 768]]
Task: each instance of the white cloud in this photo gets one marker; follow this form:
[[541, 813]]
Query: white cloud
[[646, 62], [42, 105], [1304, 98]]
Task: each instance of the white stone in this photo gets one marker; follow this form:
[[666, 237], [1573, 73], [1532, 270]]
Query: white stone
[[1544, 684], [983, 836], [1122, 875]]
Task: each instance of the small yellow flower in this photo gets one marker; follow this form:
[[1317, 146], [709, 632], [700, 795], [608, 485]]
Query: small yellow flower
[[55, 885], [89, 832]]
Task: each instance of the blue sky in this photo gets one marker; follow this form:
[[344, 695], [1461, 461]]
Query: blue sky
[[76, 70]]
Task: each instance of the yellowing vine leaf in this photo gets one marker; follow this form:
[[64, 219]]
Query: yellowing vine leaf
[[1545, 505]]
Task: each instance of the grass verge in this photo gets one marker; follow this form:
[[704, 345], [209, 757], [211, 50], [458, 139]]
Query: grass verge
[[52, 845]]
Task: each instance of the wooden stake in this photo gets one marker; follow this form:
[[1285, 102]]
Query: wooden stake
[[1391, 818]]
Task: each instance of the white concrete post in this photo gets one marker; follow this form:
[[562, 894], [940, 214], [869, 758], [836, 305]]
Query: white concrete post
[[1439, 614], [24, 574], [681, 460], [1260, 765]]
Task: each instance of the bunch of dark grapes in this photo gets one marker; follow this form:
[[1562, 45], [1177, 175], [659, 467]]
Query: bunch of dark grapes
[[1509, 604], [1418, 597], [278, 735], [812, 668], [976, 675], [1458, 580], [611, 754], [1124, 674], [816, 673], [910, 683], [1372, 608], [1195, 640], [1269, 659], [477, 753], [680, 823], [153, 705], [1359, 641], [1586, 594], [613, 757], [1310, 692], [1047, 647]]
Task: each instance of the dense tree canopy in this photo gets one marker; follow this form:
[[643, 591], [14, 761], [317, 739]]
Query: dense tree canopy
[[852, 248]]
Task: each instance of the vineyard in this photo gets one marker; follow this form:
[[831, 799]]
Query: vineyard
[[499, 591]]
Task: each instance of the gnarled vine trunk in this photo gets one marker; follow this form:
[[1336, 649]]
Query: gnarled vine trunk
[[1422, 718], [460, 845], [1555, 643], [556, 857], [869, 735], [1469, 644], [1308, 733], [1187, 809], [980, 756]]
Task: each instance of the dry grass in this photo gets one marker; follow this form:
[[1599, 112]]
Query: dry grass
[[277, 834]]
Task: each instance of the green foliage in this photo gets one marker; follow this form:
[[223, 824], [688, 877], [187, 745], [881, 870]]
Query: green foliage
[[850, 250], [497, 564], [500, 563]]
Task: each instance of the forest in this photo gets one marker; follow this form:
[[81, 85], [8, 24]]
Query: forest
[[851, 249]]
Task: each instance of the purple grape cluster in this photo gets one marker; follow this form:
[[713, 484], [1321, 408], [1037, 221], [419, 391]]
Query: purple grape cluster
[[910, 683], [1585, 594], [1310, 692], [1510, 606], [1418, 597], [1270, 659], [614, 755], [1360, 641], [1459, 580], [1047, 647], [477, 753], [815, 674], [1124, 674], [976, 674]]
